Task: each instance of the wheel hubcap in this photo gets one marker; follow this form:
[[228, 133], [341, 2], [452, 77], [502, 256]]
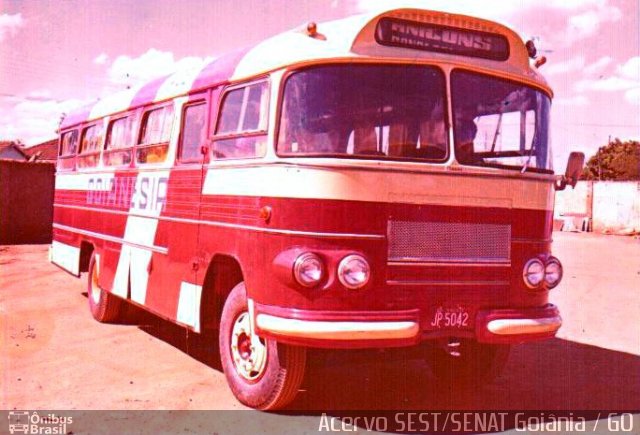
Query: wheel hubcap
[[248, 351]]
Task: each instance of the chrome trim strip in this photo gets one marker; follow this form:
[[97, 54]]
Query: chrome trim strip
[[448, 283], [231, 225], [524, 326], [327, 330], [154, 248]]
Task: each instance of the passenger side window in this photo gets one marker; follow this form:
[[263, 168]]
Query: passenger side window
[[69, 143], [90, 146], [155, 136], [242, 128], [119, 142], [192, 131], [68, 149]]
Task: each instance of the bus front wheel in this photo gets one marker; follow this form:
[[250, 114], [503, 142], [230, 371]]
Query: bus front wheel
[[104, 307], [261, 373], [465, 363]]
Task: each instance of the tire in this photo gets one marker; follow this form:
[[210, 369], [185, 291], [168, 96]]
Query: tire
[[104, 306], [261, 373], [476, 365]]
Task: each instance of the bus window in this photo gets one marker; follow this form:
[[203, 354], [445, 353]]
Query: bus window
[[90, 146], [69, 143], [68, 150], [385, 111], [155, 136], [118, 143], [500, 123], [242, 129], [192, 132]]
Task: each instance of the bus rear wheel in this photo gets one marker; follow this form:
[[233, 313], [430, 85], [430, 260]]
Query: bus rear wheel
[[466, 363], [104, 306], [261, 373]]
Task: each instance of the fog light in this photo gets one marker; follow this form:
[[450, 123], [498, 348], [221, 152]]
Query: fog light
[[533, 273], [553, 272], [308, 270], [354, 271]]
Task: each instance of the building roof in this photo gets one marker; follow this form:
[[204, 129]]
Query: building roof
[[46, 151], [348, 38], [5, 144]]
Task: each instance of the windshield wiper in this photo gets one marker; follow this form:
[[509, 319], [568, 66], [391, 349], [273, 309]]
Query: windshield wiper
[[526, 164], [497, 132]]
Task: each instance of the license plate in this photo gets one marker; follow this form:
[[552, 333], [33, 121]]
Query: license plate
[[456, 318]]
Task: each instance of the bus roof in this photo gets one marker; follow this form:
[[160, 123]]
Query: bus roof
[[352, 37]]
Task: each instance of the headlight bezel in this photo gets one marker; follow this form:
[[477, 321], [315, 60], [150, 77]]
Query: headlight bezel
[[302, 260], [342, 271], [526, 273], [553, 261]]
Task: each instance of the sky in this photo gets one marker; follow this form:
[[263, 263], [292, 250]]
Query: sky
[[56, 55]]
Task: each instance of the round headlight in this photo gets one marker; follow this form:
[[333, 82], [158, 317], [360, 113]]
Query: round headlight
[[533, 273], [308, 269], [354, 271], [552, 272]]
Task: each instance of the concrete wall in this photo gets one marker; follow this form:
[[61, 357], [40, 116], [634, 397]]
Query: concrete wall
[[616, 206], [611, 206], [26, 202]]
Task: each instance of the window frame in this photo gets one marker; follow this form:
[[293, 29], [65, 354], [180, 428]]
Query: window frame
[[143, 119], [82, 154], [522, 83], [67, 162], [108, 151], [185, 107], [242, 134], [444, 75]]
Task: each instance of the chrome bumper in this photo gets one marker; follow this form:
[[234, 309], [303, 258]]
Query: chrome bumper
[[337, 330], [524, 326]]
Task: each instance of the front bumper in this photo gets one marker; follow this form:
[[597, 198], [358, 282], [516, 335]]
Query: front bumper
[[338, 329]]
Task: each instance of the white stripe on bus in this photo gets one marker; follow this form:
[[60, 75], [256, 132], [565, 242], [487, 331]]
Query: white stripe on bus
[[189, 305], [365, 185], [133, 263], [84, 181], [66, 256]]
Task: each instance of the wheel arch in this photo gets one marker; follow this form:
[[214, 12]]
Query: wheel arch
[[86, 249], [223, 273]]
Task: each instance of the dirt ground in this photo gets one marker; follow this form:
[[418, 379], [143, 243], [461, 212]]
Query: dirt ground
[[55, 356]]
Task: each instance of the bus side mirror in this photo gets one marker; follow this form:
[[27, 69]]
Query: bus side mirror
[[573, 171]]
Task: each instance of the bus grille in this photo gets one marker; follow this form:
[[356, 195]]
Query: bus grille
[[448, 242]]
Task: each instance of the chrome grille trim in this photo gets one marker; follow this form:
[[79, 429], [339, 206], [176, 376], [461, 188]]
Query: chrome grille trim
[[448, 242]]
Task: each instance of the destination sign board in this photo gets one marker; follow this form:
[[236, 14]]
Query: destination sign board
[[442, 39]]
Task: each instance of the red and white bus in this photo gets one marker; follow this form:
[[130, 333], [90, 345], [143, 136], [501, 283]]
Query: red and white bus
[[383, 180]]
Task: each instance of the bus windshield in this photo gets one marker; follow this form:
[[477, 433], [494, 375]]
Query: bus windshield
[[500, 123], [379, 111]]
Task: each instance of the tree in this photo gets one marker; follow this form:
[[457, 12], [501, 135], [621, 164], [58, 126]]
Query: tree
[[616, 161]]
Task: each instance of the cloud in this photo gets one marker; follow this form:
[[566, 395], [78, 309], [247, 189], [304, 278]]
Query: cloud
[[587, 23], [484, 9], [152, 64], [35, 119], [633, 96], [598, 66], [630, 69], [627, 79], [569, 65], [610, 84], [9, 25], [577, 100], [101, 59]]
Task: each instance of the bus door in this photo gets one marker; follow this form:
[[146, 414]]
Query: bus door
[[174, 290]]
